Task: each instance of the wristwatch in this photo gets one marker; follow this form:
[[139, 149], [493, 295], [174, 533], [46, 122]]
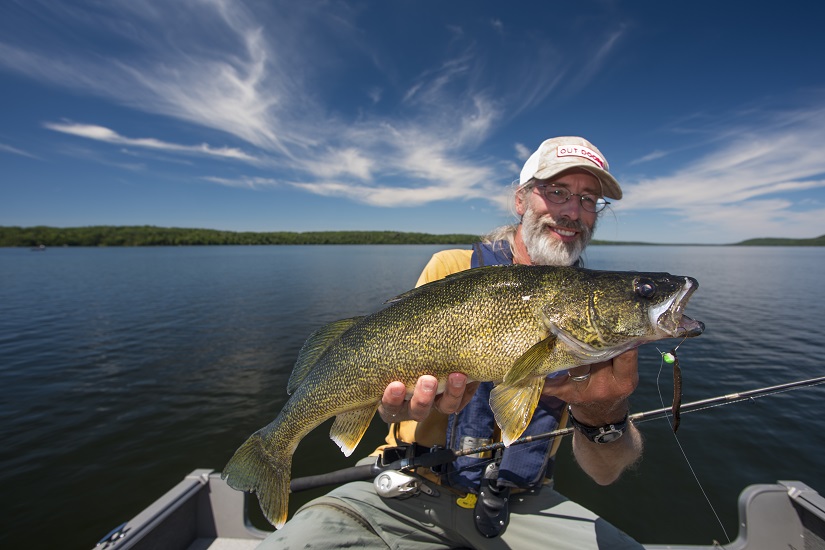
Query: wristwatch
[[601, 434]]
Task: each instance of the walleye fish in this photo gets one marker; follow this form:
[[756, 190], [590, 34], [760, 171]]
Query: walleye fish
[[512, 325]]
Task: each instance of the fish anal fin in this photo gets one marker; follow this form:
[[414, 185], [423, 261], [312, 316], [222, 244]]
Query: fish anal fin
[[513, 406], [317, 343], [533, 362], [349, 427]]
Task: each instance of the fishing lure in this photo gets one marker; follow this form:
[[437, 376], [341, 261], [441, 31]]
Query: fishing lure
[[670, 358]]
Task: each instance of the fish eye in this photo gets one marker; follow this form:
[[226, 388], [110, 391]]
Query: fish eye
[[645, 287]]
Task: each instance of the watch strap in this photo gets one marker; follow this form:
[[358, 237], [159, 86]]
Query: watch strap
[[600, 434]]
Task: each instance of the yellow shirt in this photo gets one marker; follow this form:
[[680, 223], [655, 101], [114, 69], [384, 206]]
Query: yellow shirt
[[445, 263]]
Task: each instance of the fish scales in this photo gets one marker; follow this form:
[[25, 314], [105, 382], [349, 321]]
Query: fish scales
[[512, 325], [454, 332]]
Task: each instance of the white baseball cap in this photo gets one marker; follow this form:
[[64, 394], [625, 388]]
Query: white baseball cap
[[556, 155]]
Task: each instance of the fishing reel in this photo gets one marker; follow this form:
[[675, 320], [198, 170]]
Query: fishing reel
[[395, 484], [396, 464]]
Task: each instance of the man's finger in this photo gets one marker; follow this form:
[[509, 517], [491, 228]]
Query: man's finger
[[423, 397], [451, 400], [392, 402]]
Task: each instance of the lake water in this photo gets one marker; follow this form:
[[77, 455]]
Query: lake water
[[123, 369]]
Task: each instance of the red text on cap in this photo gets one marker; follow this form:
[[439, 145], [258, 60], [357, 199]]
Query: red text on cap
[[579, 151]]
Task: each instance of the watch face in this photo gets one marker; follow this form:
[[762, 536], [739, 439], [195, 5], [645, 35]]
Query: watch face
[[609, 435]]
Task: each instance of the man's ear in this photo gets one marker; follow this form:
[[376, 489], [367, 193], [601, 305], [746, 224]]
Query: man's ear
[[521, 203]]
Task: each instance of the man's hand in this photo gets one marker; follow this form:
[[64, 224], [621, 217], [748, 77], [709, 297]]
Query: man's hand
[[602, 397], [396, 408], [598, 400]]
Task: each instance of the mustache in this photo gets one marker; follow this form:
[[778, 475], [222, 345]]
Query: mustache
[[565, 223]]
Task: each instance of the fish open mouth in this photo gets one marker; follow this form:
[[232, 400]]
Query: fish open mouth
[[670, 316]]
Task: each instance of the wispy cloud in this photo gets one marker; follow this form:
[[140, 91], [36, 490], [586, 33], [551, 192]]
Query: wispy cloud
[[244, 182], [653, 155], [232, 80], [522, 151], [261, 85], [748, 181], [15, 151], [593, 64], [100, 133], [402, 176], [386, 196]]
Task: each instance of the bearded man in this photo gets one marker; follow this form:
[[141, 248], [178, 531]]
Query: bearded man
[[505, 500]]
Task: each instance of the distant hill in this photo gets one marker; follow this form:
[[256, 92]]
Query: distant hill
[[149, 235], [818, 241]]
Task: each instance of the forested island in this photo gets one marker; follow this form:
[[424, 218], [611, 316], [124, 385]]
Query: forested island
[[148, 235]]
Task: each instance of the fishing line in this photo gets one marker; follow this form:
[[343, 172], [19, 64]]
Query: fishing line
[[672, 358]]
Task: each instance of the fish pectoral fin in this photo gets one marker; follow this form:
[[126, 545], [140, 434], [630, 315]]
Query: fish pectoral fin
[[349, 427], [513, 407], [532, 362], [314, 347]]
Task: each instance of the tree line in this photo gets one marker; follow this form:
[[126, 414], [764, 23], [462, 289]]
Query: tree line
[[147, 235]]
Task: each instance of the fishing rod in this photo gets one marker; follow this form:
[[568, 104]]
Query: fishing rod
[[655, 414], [445, 456]]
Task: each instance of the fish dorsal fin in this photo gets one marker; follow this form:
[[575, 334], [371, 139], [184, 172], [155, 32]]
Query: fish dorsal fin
[[314, 347], [532, 362], [513, 406], [451, 278], [349, 427]]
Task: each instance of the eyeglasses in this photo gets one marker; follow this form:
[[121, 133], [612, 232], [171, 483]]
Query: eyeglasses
[[560, 195]]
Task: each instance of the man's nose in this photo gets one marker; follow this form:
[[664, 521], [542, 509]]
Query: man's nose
[[571, 208]]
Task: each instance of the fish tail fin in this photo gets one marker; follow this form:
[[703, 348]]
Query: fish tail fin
[[253, 469]]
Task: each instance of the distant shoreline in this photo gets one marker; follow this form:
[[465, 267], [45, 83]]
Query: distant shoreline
[[146, 235]]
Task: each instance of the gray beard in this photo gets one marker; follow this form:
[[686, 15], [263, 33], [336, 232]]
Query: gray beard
[[546, 250]]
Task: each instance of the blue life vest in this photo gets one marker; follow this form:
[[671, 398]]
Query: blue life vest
[[521, 466]]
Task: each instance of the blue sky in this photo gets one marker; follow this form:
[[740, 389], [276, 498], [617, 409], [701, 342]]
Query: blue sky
[[409, 116]]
